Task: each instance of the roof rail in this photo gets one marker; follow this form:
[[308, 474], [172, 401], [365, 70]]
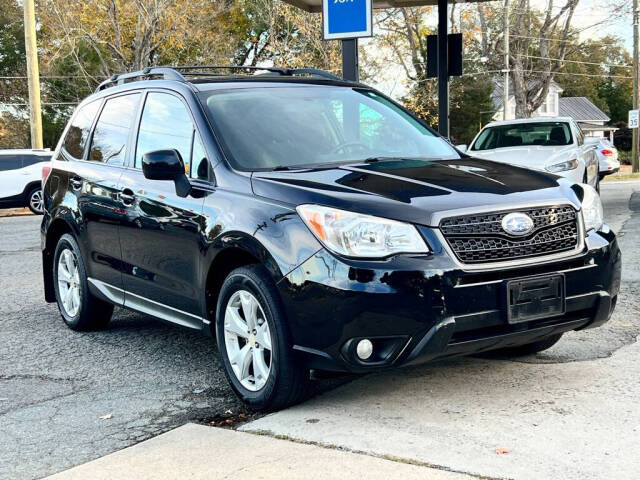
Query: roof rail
[[166, 73], [180, 73], [278, 70]]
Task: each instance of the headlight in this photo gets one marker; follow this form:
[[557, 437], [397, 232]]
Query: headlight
[[592, 211], [356, 235], [562, 167]]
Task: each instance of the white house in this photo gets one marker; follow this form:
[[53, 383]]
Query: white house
[[592, 120]]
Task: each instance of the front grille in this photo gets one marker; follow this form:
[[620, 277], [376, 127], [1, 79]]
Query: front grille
[[479, 238]]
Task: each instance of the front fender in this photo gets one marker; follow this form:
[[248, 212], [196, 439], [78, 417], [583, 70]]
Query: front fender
[[271, 232]]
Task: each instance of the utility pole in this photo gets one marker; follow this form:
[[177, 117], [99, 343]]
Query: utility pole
[[33, 75], [634, 148], [505, 101]]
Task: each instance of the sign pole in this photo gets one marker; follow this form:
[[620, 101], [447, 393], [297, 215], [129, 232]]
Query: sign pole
[[350, 67], [443, 70]]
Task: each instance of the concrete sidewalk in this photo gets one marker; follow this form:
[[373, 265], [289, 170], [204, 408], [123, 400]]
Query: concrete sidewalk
[[200, 452]]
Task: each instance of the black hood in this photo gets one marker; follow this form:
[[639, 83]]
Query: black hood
[[415, 190]]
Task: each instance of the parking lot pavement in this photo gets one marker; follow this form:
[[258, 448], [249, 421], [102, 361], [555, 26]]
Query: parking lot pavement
[[568, 413], [55, 384], [145, 378]]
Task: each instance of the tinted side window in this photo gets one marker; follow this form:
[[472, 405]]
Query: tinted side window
[[165, 125], [78, 132], [109, 144], [10, 162], [28, 160]]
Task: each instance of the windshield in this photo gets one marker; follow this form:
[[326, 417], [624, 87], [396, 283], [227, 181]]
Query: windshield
[[269, 127], [544, 134]]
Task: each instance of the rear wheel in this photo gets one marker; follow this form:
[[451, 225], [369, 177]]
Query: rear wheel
[[254, 344], [80, 310], [35, 201], [530, 348]]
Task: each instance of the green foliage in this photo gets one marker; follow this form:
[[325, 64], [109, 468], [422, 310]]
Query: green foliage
[[472, 107]]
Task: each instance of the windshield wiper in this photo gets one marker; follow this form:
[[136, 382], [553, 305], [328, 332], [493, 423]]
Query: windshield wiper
[[380, 159]]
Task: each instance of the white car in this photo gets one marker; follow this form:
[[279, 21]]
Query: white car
[[21, 178], [553, 144], [607, 157]]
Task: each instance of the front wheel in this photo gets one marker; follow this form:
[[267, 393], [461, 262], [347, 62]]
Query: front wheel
[[35, 201], [254, 344]]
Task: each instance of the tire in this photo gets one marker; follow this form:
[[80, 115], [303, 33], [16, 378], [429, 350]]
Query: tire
[[530, 348], [265, 380], [35, 201], [80, 310]]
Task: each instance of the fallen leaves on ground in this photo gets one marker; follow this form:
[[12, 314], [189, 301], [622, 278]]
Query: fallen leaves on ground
[[502, 451]]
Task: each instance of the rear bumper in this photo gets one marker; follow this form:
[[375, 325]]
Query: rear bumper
[[417, 309]]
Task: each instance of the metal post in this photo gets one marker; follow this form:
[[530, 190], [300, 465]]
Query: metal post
[[350, 68], [505, 100], [443, 71], [35, 114], [634, 148]]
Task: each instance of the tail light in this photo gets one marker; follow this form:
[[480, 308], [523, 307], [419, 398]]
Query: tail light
[[46, 171], [607, 152]]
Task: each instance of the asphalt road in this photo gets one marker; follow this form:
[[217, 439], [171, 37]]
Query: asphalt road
[[144, 377], [55, 384]]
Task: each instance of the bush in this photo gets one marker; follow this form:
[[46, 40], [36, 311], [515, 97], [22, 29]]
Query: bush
[[624, 157]]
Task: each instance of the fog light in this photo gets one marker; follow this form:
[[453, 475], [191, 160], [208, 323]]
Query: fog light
[[364, 349]]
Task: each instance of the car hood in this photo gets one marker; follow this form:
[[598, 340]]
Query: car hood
[[533, 156], [416, 191]]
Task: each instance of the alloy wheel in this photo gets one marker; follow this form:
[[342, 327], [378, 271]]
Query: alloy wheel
[[36, 202], [248, 340], [69, 282]]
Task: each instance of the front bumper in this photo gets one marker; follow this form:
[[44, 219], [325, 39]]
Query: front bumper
[[419, 308]]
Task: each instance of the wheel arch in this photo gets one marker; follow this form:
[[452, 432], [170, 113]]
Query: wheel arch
[[28, 188], [56, 229], [235, 250]]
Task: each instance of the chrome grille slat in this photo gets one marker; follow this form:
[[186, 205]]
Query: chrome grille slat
[[479, 238]]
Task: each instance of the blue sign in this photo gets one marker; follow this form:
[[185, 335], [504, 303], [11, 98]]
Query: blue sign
[[347, 19]]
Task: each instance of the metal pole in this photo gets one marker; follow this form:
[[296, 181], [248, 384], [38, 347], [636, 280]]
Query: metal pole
[[634, 148], [505, 101], [350, 67], [443, 71], [31, 49]]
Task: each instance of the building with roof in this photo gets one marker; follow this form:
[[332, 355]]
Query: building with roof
[[591, 119]]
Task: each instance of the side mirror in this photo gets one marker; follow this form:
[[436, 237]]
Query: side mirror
[[462, 148], [166, 165]]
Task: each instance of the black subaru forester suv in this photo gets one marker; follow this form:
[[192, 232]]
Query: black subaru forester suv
[[311, 223]]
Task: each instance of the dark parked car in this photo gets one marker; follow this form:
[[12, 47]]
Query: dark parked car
[[311, 223]]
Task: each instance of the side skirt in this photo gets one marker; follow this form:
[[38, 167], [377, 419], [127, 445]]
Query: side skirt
[[129, 300]]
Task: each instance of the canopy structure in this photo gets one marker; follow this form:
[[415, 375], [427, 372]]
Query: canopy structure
[[350, 69]]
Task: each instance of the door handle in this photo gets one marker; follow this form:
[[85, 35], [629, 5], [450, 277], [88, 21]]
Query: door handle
[[76, 183], [127, 197]]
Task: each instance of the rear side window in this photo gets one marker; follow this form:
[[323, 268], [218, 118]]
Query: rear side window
[[165, 125], [78, 133], [109, 144], [10, 162], [28, 160]]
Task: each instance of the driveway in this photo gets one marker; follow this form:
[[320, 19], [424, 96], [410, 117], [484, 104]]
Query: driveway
[[568, 413]]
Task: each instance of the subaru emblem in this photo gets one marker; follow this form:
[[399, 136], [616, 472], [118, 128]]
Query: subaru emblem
[[517, 224]]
